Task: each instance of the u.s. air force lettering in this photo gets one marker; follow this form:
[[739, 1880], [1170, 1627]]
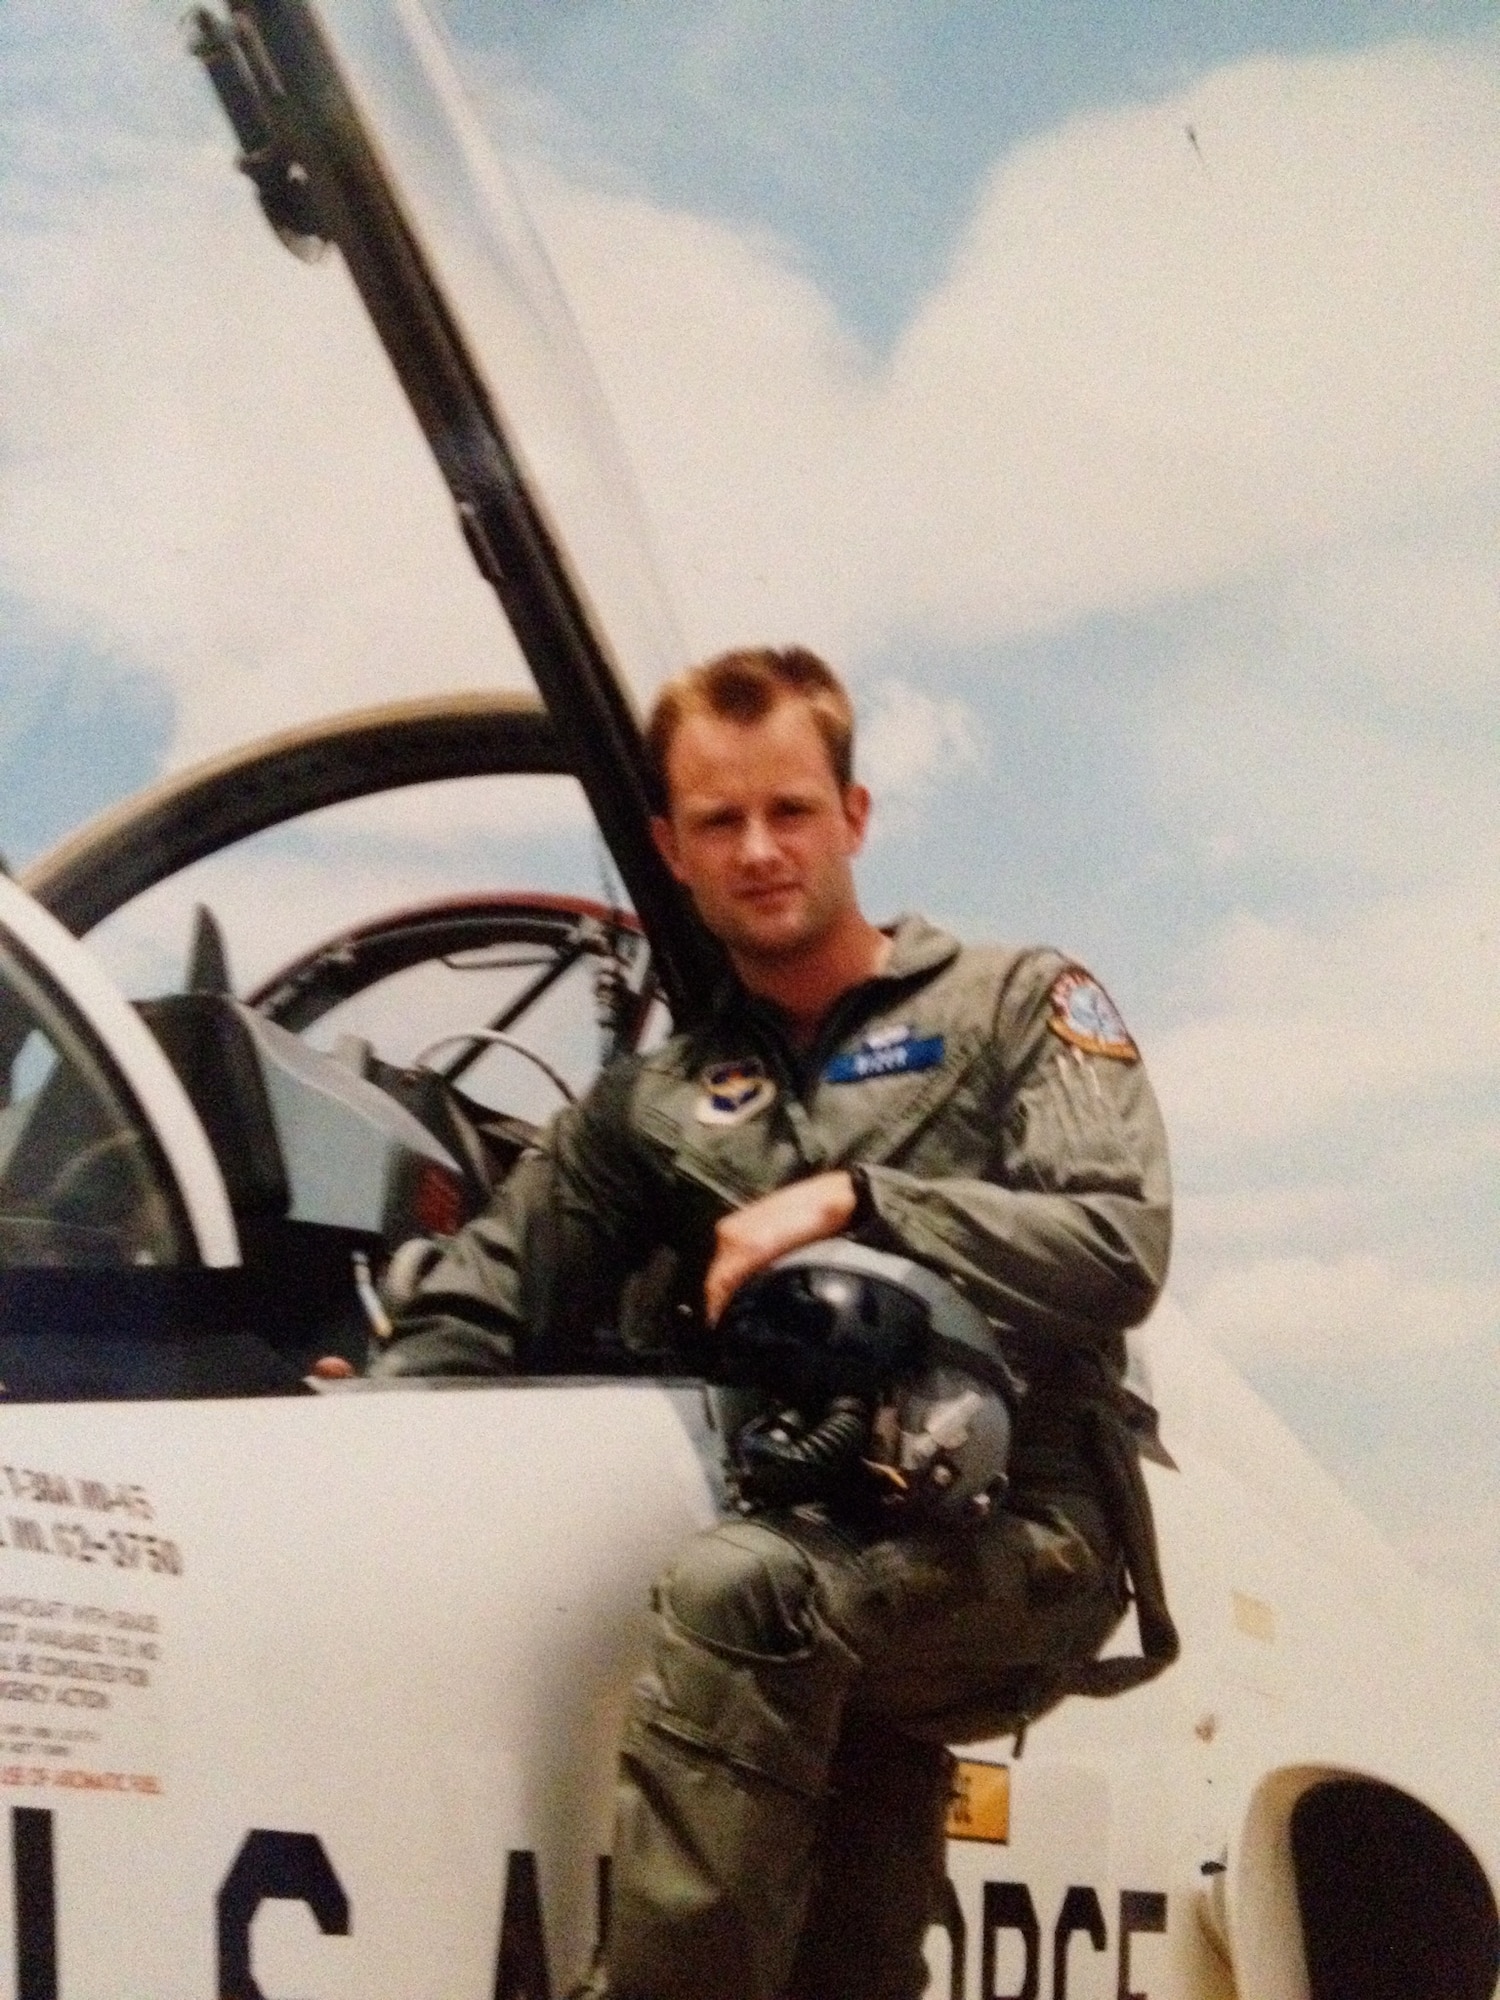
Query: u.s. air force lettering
[[285, 1865]]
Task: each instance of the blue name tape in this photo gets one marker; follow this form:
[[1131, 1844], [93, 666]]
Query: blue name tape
[[891, 1059]]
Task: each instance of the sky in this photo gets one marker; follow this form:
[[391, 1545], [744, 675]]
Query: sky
[[1112, 391]]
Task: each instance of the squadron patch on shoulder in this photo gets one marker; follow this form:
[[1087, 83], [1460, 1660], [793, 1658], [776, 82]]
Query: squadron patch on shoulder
[[1083, 1014], [731, 1092], [886, 1052]]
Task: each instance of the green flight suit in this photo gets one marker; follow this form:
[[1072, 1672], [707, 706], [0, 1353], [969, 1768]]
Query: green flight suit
[[784, 1772]]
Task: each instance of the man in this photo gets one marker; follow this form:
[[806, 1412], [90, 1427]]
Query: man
[[784, 1773]]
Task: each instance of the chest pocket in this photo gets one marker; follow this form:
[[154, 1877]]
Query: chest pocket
[[731, 1162], [943, 1104]]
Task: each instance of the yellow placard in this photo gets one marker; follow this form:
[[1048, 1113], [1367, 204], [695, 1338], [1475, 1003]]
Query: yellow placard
[[980, 1806]]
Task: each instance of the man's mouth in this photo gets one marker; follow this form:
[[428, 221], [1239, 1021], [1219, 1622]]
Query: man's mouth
[[768, 892]]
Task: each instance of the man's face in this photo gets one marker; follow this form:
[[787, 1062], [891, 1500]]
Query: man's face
[[759, 832]]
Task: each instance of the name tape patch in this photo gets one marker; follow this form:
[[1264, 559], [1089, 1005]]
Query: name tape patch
[[889, 1052], [731, 1092], [1083, 1014]]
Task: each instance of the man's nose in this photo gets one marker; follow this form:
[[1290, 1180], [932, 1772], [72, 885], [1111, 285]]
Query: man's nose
[[757, 843]]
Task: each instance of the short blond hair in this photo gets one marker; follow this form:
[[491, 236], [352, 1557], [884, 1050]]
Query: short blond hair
[[743, 686]]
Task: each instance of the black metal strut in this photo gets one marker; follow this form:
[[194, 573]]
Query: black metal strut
[[319, 176]]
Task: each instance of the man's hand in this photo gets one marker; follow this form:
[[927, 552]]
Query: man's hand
[[755, 1236]]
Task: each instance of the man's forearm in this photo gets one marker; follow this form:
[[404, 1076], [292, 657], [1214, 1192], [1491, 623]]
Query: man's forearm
[[1029, 1258], [465, 1317], [754, 1236]]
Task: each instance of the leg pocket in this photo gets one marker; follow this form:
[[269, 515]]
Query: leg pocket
[[746, 1667], [741, 1590]]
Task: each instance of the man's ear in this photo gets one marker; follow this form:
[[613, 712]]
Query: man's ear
[[857, 814], [666, 843]]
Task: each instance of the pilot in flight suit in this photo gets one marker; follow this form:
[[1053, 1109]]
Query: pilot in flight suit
[[784, 1773]]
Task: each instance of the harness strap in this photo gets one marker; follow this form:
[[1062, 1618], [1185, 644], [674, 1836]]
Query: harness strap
[[1113, 1447]]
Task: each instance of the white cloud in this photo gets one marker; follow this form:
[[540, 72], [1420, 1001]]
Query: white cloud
[[209, 472], [1313, 1314], [1211, 1227], [1139, 378], [909, 740], [741, 402], [1156, 377], [1253, 774], [1421, 622], [1339, 717], [436, 819], [1291, 1025]]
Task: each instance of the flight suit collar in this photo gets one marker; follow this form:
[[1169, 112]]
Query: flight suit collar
[[918, 949]]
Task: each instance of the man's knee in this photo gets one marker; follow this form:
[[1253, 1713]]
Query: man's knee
[[742, 1589]]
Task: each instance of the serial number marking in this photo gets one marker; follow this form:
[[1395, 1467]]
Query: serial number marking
[[57, 1489], [79, 1541]]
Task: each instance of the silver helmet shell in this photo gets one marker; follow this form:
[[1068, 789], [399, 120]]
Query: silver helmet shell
[[940, 1443]]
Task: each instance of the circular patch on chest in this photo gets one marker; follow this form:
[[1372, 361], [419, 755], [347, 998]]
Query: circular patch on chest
[[731, 1092]]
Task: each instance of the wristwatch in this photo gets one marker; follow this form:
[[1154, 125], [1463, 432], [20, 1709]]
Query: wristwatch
[[866, 1215]]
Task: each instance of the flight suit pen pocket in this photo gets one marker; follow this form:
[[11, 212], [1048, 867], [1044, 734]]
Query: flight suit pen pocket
[[684, 1162], [727, 1189]]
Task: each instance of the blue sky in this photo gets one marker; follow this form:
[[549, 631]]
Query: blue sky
[[1147, 487]]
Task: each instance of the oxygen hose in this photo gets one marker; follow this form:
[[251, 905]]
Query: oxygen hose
[[782, 1465]]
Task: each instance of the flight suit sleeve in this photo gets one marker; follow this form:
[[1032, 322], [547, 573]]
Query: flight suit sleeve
[[1065, 1232], [526, 1285]]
